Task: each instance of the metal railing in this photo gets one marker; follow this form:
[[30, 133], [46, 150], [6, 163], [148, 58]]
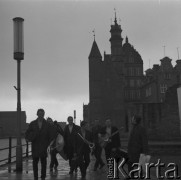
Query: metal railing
[[8, 160]]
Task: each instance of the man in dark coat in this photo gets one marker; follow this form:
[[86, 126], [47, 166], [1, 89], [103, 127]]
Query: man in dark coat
[[96, 129], [40, 134], [138, 142], [87, 138], [82, 149], [113, 144], [69, 135]]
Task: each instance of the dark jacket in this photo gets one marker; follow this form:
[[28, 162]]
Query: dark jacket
[[95, 131], [115, 140], [80, 146], [137, 144], [40, 138], [69, 139]]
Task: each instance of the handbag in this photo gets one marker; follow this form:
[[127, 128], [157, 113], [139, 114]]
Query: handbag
[[59, 144], [143, 160]]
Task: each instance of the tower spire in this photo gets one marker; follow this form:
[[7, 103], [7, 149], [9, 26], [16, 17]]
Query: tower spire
[[94, 34], [95, 53]]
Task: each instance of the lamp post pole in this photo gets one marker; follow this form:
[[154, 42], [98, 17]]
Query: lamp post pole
[[75, 116], [18, 56]]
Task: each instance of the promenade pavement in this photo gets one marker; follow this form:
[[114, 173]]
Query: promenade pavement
[[8, 173]]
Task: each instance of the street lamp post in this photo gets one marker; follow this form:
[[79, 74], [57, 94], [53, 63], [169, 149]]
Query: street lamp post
[[18, 56], [75, 116]]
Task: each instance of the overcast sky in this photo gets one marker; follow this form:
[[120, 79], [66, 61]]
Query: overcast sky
[[58, 39]]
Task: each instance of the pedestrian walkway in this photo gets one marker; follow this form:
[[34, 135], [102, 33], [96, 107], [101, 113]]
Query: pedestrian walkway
[[8, 172], [62, 173]]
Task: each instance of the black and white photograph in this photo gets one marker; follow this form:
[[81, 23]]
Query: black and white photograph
[[90, 89]]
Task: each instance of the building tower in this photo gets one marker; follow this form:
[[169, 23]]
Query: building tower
[[117, 75], [116, 39], [95, 83]]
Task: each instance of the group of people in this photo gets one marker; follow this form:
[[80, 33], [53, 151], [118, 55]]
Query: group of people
[[80, 142]]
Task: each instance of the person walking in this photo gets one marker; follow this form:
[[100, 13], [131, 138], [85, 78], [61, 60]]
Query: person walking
[[81, 149], [53, 150], [86, 136], [40, 134], [112, 137], [137, 143], [69, 135], [96, 129]]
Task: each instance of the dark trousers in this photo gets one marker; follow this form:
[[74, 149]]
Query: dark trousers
[[69, 153], [79, 162], [97, 154], [43, 161], [86, 159], [108, 153], [54, 161]]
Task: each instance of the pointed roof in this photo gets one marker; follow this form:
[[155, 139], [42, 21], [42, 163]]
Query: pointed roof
[[95, 51]]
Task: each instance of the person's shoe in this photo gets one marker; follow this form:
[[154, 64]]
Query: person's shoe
[[42, 178], [35, 178], [55, 168], [83, 176], [101, 166]]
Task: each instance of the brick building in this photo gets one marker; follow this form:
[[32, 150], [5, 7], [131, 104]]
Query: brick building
[[118, 87], [114, 80], [158, 79]]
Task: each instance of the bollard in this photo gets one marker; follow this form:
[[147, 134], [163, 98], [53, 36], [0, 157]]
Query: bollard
[[10, 145]]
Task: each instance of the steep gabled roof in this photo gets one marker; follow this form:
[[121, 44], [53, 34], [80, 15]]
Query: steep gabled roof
[[95, 51]]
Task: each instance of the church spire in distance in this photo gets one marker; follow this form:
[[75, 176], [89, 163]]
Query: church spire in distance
[[115, 20], [94, 34], [116, 38], [95, 53]]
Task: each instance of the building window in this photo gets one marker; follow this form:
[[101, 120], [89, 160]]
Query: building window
[[131, 71], [148, 91], [126, 94], [132, 95], [138, 82], [138, 72], [131, 59], [163, 88], [131, 82], [167, 76], [138, 94]]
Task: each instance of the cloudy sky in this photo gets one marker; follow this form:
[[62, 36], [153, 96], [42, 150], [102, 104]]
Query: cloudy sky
[[57, 41]]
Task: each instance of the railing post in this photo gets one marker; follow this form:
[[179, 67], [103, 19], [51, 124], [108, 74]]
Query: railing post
[[27, 147], [10, 145]]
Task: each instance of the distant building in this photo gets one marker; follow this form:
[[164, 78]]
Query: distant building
[[158, 79], [8, 123], [118, 87], [114, 81]]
